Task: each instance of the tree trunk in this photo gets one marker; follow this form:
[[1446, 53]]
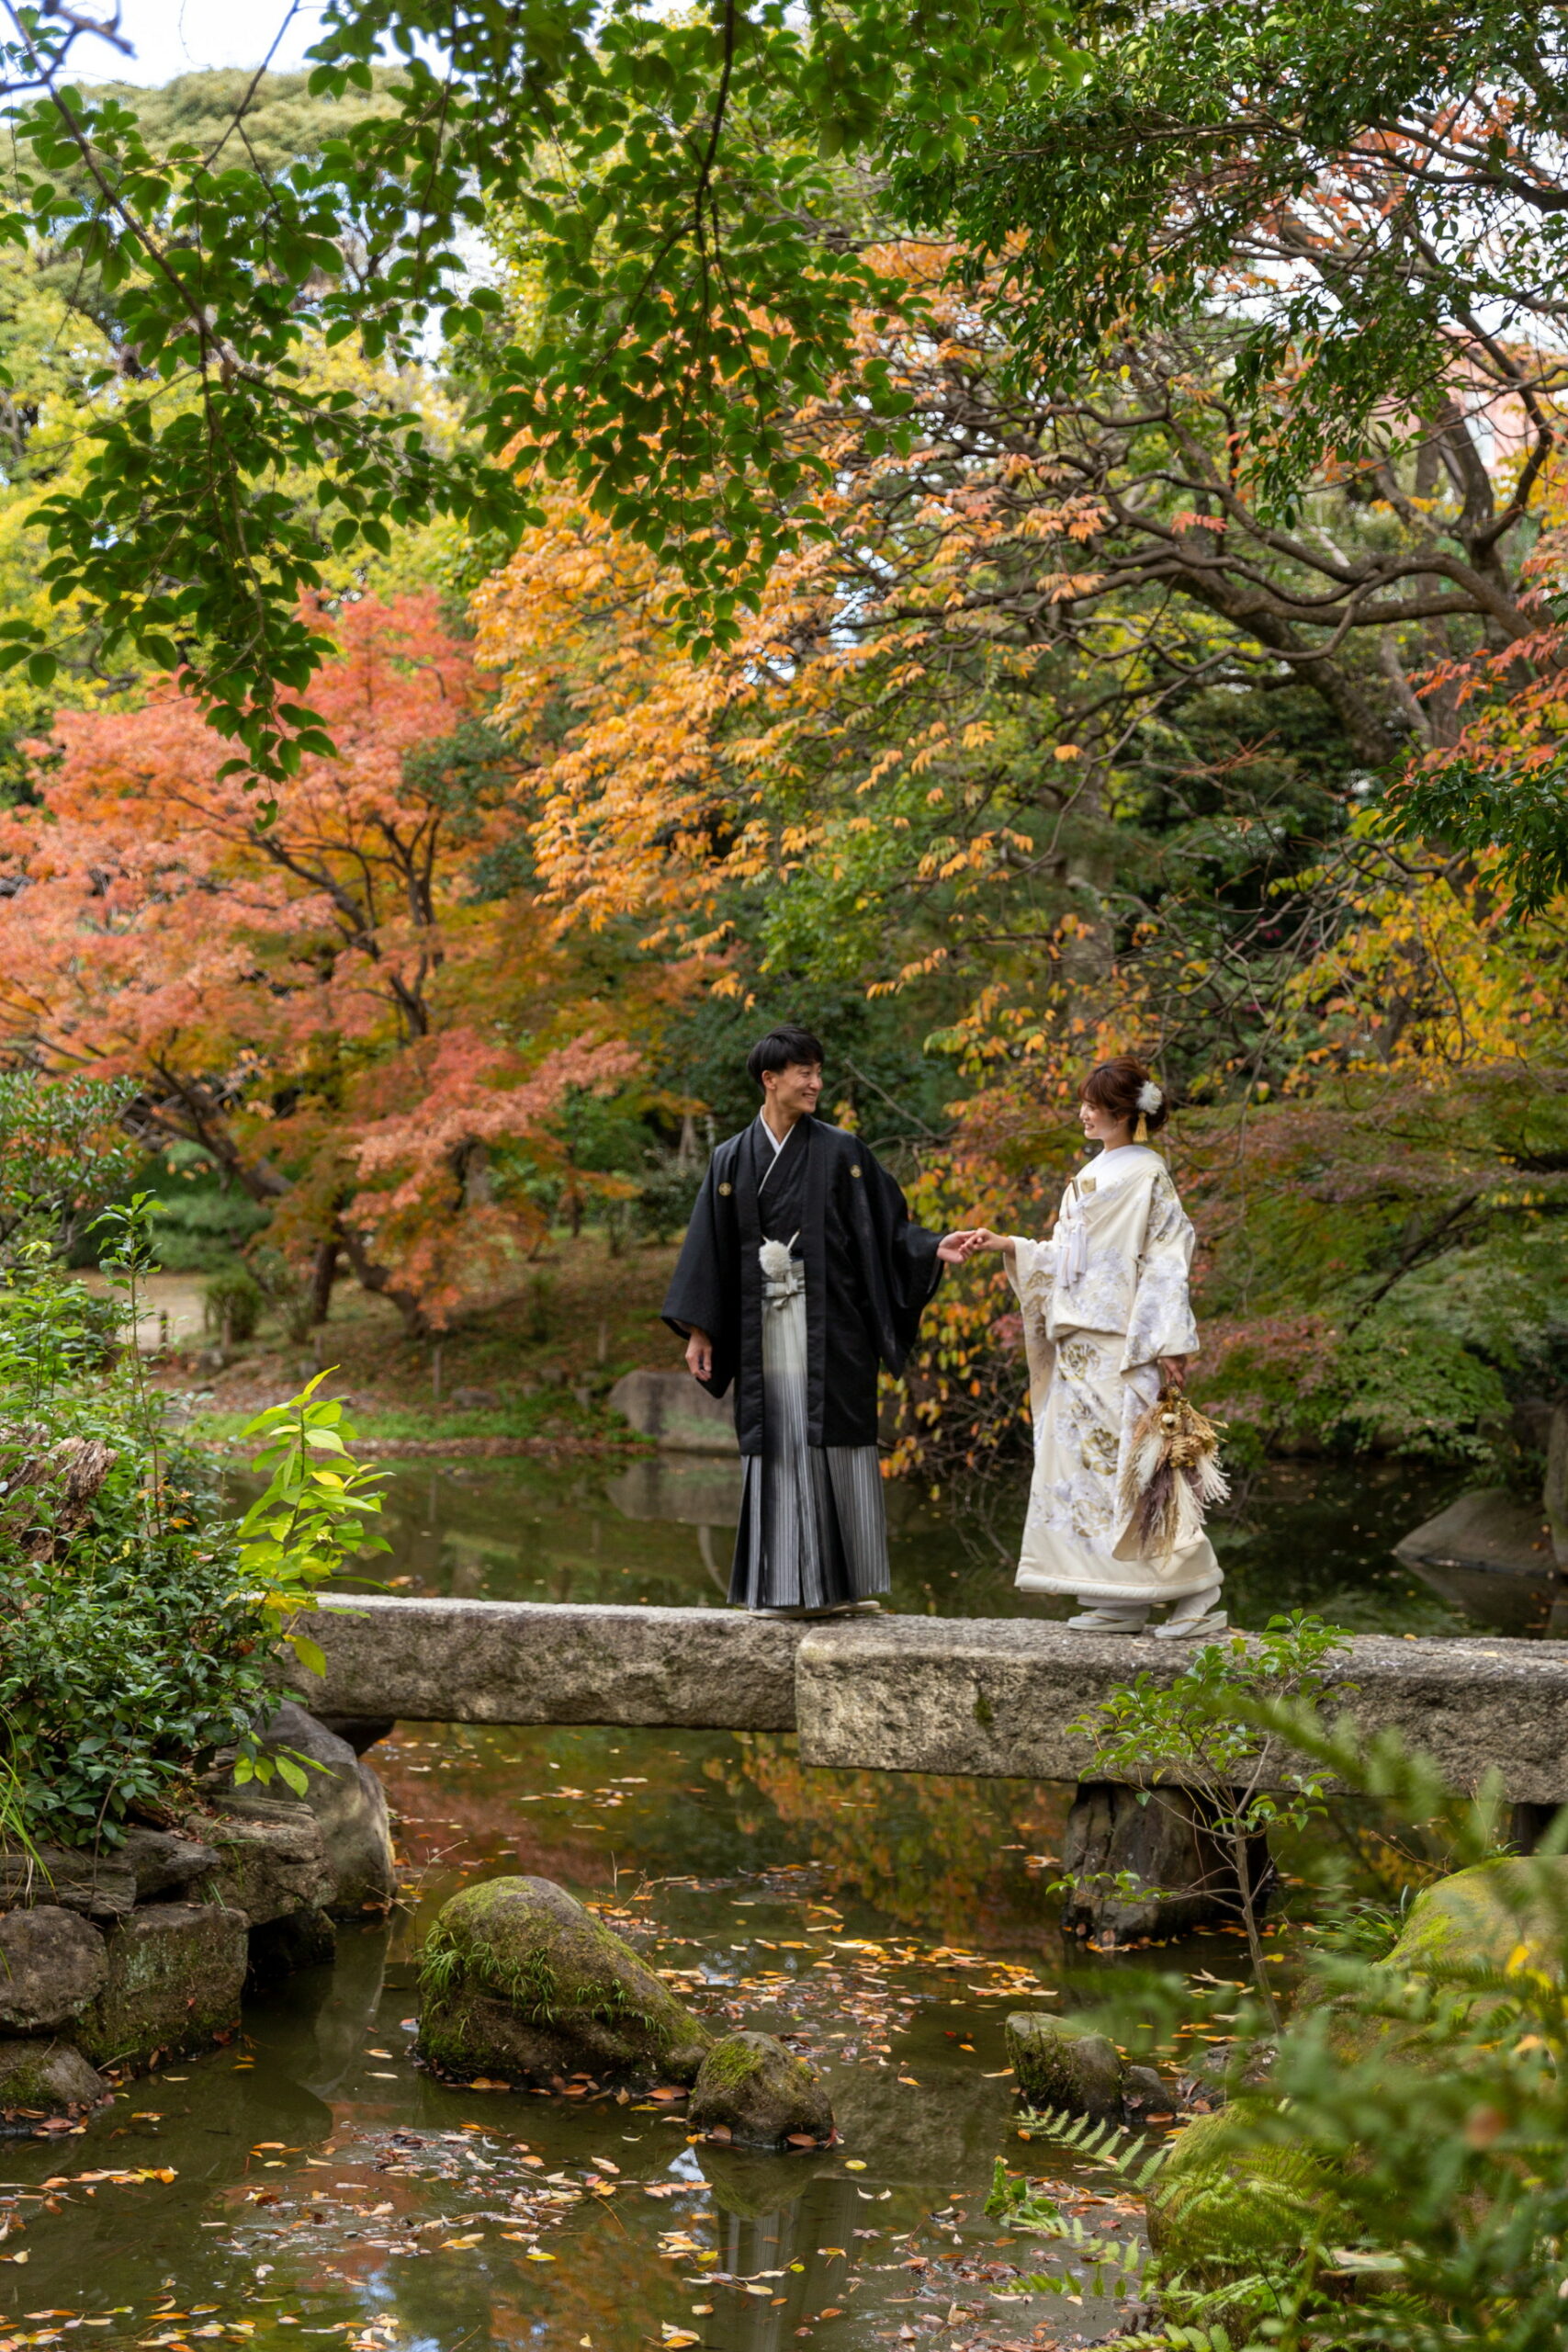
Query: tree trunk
[[323, 1274]]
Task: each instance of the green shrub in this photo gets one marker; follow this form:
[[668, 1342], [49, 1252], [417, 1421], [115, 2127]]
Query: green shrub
[[233, 1305], [141, 1628]]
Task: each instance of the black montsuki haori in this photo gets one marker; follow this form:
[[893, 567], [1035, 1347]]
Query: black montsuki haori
[[869, 1274]]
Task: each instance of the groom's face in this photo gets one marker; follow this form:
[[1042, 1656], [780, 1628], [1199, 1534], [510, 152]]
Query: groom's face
[[794, 1089]]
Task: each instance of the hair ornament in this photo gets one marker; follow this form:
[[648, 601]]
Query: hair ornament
[[1150, 1097]]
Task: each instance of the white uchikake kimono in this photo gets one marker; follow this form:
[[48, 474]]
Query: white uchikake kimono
[[1102, 1300]]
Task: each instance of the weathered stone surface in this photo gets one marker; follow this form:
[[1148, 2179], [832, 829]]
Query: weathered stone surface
[[927, 1694], [1187, 1878], [904, 1694], [759, 2093], [351, 1812], [670, 1409], [281, 1947], [520, 1982], [99, 1886], [51, 1963], [175, 1971], [1059, 2065], [543, 1662], [164, 1863], [46, 2078], [271, 1858]]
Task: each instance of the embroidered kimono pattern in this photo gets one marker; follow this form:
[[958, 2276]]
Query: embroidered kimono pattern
[[1102, 1301]]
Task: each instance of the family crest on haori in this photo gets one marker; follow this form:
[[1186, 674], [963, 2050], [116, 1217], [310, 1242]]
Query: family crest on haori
[[1122, 1466]]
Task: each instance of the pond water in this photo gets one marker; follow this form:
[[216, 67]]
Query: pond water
[[310, 2181], [658, 1528]]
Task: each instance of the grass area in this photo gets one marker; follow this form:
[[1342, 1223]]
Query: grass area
[[541, 1358]]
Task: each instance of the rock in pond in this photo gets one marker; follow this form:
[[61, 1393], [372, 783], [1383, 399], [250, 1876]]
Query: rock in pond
[[350, 1806], [1060, 2065], [175, 1971], [271, 1858], [520, 1982], [754, 2091], [51, 1964], [45, 2079]]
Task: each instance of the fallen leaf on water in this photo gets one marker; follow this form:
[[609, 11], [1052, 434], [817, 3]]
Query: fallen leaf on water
[[800, 2139], [854, 2164], [472, 2239], [483, 2083], [701, 2311], [534, 2255], [832, 2311], [667, 2094], [603, 2164]]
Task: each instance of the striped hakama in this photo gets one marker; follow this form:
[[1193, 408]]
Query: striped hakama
[[813, 1531]]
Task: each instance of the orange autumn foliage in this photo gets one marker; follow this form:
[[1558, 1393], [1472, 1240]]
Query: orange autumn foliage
[[327, 1003]]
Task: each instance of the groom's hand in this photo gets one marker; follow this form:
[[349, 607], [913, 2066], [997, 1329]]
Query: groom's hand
[[699, 1356], [953, 1248]]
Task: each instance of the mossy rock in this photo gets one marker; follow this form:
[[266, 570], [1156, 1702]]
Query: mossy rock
[[1065, 2066], [40, 2079], [1475, 1918], [1481, 1916], [1217, 2209], [518, 1981], [760, 2094], [176, 1973]]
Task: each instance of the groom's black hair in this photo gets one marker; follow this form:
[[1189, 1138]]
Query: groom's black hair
[[780, 1047]]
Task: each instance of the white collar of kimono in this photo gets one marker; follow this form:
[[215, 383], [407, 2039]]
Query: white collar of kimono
[[778, 1142], [1073, 1229]]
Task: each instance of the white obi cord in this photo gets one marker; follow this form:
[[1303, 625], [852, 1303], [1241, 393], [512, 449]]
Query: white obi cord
[[784, 1276]]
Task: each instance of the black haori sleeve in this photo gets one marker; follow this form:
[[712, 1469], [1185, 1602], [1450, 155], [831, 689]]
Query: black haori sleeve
[[901, 1267], [705, 1290]]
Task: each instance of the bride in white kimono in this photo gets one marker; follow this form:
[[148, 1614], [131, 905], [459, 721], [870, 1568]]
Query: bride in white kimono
[[1106, 1322]]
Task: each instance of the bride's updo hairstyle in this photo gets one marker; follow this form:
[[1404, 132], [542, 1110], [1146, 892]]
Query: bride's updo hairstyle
[[1123, 1089]]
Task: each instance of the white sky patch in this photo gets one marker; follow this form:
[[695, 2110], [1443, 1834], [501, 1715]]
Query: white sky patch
[[175, 37]]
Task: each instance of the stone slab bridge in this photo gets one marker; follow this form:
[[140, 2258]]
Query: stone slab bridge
[[992, 1696]]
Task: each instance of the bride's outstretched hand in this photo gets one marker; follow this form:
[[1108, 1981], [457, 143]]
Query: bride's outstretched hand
[[982, 1237]]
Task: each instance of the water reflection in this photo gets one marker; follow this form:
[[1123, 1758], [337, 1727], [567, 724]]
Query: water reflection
[[1301, 1534]]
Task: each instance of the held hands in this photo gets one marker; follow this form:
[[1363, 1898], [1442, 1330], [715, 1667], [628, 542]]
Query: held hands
[[699, 1356], [957, 1248], [1173, 1371]]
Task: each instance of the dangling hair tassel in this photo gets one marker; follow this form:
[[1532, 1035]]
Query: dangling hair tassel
[[1141, 1132]]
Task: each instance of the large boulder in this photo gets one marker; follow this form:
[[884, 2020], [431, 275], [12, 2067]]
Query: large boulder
[[1185, 1879], [350, 1807], [271, 1859], [520, 1982], [175, 1971], [1058, 2065], [51, 1964], [1481, 1916], [752, 2090], [46, 2078]]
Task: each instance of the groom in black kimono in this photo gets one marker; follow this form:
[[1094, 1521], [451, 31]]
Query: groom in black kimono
[[801, 1275]]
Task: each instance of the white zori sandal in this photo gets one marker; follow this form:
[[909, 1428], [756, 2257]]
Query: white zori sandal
[[1193, 1616], [1106, 1618]]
